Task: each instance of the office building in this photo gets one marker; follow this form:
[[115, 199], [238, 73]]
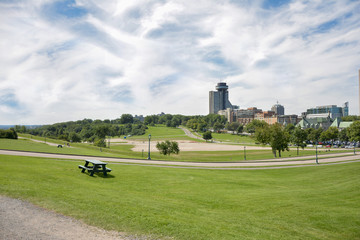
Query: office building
[[331, 111], [219, 100], [278, 109]]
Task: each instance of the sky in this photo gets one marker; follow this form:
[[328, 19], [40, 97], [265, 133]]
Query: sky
[[98, 59]]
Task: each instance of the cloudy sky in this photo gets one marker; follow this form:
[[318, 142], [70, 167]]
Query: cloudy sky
[[65, 60]]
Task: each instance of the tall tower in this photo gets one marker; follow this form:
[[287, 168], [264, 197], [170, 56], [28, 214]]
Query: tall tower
[[219, 100], [359, 92]]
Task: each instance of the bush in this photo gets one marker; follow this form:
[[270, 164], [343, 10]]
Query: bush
[[11, 134], [168, 147], [207, 135]]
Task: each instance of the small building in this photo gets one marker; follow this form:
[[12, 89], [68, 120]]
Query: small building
[[340, 124]]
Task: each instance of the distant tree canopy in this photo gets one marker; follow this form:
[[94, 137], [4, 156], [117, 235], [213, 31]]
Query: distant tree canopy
[[90, 130], [351, 118], [10, 133]]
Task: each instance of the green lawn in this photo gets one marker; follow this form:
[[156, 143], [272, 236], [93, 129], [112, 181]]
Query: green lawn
[[232, 138], [160, 132], [320, 202], [124, 151]]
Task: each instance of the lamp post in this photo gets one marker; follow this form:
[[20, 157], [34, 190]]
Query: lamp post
[[149, 148], [244, 152], [354, 148], [316, 154]]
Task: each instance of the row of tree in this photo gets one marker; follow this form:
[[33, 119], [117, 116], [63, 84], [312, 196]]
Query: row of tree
[[89, 130], [279, 137]]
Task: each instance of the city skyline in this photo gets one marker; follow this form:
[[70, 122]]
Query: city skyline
[[70, 60]]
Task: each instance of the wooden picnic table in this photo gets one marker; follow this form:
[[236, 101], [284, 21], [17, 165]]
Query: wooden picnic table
[[97, 166]]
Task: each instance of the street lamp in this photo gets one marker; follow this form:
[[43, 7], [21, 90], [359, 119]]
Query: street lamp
[[244, 152], [316, 154], [149, 148], [354, 149]]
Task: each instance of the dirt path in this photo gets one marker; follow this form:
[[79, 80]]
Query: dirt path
[[22, 220]]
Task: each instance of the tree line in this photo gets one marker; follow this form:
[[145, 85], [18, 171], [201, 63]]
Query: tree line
[[279, 137], [88, 130]]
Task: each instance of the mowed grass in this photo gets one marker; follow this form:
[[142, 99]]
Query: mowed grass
[[236, 156], [124, 151], [320, 202], [160, 132], [233, 138]]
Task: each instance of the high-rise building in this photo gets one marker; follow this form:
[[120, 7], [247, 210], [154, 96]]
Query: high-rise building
[[278, 109], [219, 100]]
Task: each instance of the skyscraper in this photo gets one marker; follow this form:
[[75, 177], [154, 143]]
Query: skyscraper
[[278, 109], [219, 100]]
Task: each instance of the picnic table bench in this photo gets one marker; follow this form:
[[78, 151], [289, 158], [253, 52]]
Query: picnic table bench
[[97, 166]]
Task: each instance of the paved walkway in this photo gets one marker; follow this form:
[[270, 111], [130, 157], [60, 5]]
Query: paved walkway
[[307, 160]]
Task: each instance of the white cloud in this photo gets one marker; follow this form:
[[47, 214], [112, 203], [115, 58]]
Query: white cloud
[[144, 57]]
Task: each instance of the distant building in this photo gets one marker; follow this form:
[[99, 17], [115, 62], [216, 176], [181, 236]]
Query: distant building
[[315, 123], [278, 109], [338, 123], [229, 114], [219, 100], [139, 117], [244, 116], [331, 111], [267, 116]]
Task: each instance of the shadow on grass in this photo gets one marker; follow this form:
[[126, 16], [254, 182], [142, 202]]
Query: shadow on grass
[[101, 175]]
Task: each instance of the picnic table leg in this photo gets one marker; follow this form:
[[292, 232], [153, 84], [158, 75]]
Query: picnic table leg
[[86, 165], [104, 169]]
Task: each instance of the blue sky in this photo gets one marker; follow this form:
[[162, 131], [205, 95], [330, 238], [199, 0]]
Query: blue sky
[[75, 59]]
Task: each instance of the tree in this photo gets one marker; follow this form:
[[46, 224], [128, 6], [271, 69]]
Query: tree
[[343, 135], [279, 139], [290, 128], [240, 129], [233, 126], [10, 133], [100, 142], [298, 137], [331, 133], [201, 127], [207, 135], [126, 118], [74, 137], [251, 127], [354, 131], [218, 126], [262, 134], [168, 147], [315, 134]]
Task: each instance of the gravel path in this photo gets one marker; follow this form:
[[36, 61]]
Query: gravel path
[[22, 220]]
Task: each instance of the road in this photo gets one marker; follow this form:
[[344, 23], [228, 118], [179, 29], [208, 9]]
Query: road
[[268, 163]]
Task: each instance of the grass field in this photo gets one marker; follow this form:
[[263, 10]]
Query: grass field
[[232, 138], [161, 132], [124, 151], [319, 202]]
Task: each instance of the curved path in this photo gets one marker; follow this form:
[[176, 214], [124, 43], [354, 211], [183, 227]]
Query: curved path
[[189, 133], [268, 163]]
